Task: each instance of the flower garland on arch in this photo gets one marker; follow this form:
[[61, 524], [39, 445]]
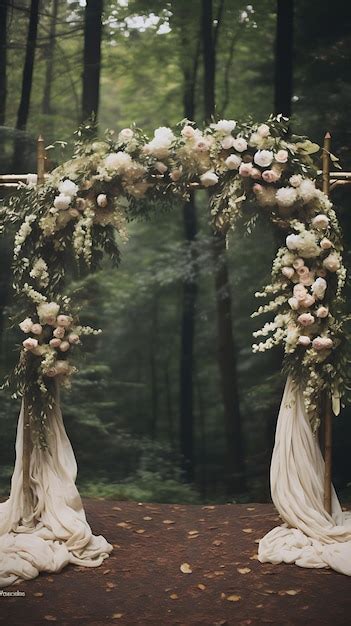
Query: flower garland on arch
[[250, 169]]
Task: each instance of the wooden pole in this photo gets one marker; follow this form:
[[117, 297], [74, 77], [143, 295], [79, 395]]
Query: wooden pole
[[40, 160], [327, 408]]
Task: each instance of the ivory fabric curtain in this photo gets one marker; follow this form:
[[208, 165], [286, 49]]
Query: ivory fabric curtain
[[309, 536], [57, 532]]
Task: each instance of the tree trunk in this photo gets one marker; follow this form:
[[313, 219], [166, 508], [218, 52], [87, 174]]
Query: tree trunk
[[284, 57], [3, 61], [27, 77], [234, 466], [190, 286], [46, 103], [92, 58], [154, 341]]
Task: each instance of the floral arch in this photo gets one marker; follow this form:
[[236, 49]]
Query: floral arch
[[81, 210]]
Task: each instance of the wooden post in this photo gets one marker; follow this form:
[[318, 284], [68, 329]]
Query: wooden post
[[327, 405], [27, 438]]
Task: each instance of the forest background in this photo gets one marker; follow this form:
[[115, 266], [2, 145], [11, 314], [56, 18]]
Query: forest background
[[169, 403]]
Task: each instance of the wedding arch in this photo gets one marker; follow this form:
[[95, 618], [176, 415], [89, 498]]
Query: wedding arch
[[78, 212]]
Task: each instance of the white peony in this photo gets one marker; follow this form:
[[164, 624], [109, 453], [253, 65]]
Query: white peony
[[47, 312], [318, 288], [240, 144], [233, 162], [307, 190], [62, 202], [263, 158], [68, 188], [227, 142], [163, 138], [209, 178], [286, 196], [292, 241], [119, 161], [225, 126]]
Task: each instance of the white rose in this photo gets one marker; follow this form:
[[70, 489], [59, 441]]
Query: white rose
[[240, 144], [322, 312], [263, 158], [233, 162], [307, 190], [37, 329], [227, 142], [332, 262], [286, 196], [27, 325], [263, 130], [321, 221], [293, 303], [225, 126], [163, 138], [303, 340], [292, 241], [188, 132], [209, 178], [101, 200], [30, 343], [318, 288], [125, 135], [281, 156], [62, 202], [325, 243], [68, 188], [288, 272]]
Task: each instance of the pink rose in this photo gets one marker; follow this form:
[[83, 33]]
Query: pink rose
[[293, 303], [30, 343], [257, 188], [64, 321], [202, 145], [59, 332], [187, 131], [263, 130], [281, 156], [303, 340], [300, 292], [73, 338], [298, 263], [161, 167], [322, 343], [270, 176], [64, 346], [288, 272], [27, 325], [55, 342], [325, 243], [255, 173], [37, 329], [305, 319], [245, 169], [303, 270], [307, 279], [308, 301], [322, 312]]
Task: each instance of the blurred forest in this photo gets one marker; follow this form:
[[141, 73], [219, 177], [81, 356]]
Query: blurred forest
[[169, 403]]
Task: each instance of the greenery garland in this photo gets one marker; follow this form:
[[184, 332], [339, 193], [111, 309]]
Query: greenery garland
[[86, 203]]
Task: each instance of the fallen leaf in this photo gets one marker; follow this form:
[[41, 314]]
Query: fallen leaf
[[233, 598], [50, 618], [38, 594], [140, 531], [111, 585], [116, 508], [219, 573], [117, 615], [292, 592], [244, 570], [107, 571], [209, 508], [193, 532], [173, 596], [147, 518], [217, 542], [201, 586], [168, 521], [250, 508], [185, 568], [254, 557], [123, 525], [247, 530]]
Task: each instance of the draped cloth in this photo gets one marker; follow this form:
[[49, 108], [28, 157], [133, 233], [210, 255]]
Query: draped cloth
[[309, 536], [56, 532]]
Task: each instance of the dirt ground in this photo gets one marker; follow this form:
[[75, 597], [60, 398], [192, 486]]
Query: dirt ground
[[181, 565]]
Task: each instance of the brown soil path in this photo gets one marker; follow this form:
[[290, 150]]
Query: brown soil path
[[142, 583]]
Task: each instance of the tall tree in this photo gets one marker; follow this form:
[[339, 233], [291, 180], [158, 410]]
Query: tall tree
[[27, 76], [189, 61], [283, 82], [3, 60], [227, 353], [92, 58], [46, 103]]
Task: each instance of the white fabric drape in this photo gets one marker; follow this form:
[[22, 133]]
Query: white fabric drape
[[309, 537], [57, 532]]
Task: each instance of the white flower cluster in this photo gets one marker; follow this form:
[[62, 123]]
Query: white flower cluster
[[40, 272], [82, 236], [24, 232]]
